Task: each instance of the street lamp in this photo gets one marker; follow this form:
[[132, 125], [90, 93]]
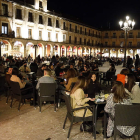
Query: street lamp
[[127, 26]]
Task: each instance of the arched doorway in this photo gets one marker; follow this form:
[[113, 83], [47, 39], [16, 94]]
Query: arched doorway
[[69, 51], [40, 50], [5, 48], [79, 51], [55, 50], [74, 51], [18, 49], [48, 50], [130, 53], [30, 49], [63, 51], [106, 52], [113, 53], [121, 53]]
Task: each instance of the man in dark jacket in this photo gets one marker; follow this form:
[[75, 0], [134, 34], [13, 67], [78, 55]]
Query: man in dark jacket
[[40, 71]]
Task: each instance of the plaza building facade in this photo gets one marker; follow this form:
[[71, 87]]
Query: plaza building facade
[[32, 29], [113, 43], [29, 28]]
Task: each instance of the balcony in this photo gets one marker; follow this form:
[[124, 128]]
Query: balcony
[[65, 28], [138, 36], [10, 34], [71, 30], [121, 36], [77, 31], [113, 36], [5, 14], [106, 36], [130, 36]]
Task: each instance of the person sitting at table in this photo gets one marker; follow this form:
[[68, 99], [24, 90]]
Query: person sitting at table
[[121, 76], [78, 99], [95, 67], [24, 67], [137, 74], [132, 89], [112, 68], [93, 86], [71, 78], [118, 96], [8, 74], [34, 66], [40, 71], [86, 71], [15, 78], [51, 67], [59, 69], [46, 79]]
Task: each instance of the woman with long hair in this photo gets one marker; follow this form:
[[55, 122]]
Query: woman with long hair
[[71, 78], [93, 86], [118, 96], [132, 89], [78, 98]]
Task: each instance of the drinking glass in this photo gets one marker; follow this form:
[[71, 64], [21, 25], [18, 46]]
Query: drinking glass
[[102, 93], [96, 95]]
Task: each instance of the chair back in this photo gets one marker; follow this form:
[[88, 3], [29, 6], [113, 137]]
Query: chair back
[[15, 87], [109, 74], [127, 115], [47, 89], [67, 102]]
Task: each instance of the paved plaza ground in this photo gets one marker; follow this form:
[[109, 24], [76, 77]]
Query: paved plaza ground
[[29, 124]]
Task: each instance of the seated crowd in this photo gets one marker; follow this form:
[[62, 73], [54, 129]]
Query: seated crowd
[[81, 79]]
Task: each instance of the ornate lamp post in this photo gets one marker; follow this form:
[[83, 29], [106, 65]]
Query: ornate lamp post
[[127, 26]]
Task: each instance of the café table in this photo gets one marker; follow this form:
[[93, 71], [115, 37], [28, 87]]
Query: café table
[[105, 117]]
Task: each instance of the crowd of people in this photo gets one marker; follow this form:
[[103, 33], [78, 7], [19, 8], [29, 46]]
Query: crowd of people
[[79, 76]]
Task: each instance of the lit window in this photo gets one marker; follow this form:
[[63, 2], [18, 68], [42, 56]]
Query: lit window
[[4, 28], [18, 32]]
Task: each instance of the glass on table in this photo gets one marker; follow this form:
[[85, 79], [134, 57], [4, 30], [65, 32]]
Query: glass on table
[[96, 95], [102, 93]]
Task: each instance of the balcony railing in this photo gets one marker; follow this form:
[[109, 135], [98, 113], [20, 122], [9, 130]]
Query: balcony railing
[[65, 28], [138, 36], [106, 36], [121, 36], [130, 36], [5, 14], [114, 37], [10, 34]]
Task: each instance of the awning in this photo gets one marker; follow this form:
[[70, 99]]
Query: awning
[[40, 45], [100, 53], [5, 42]]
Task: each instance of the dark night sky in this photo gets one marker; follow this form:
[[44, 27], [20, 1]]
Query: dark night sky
[[98, 13]]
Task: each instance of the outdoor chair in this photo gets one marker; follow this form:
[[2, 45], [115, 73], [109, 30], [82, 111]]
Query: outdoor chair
[[47, 93], [21, 94], [73, 118], [107, 77], [2, 84], [127, 115]]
